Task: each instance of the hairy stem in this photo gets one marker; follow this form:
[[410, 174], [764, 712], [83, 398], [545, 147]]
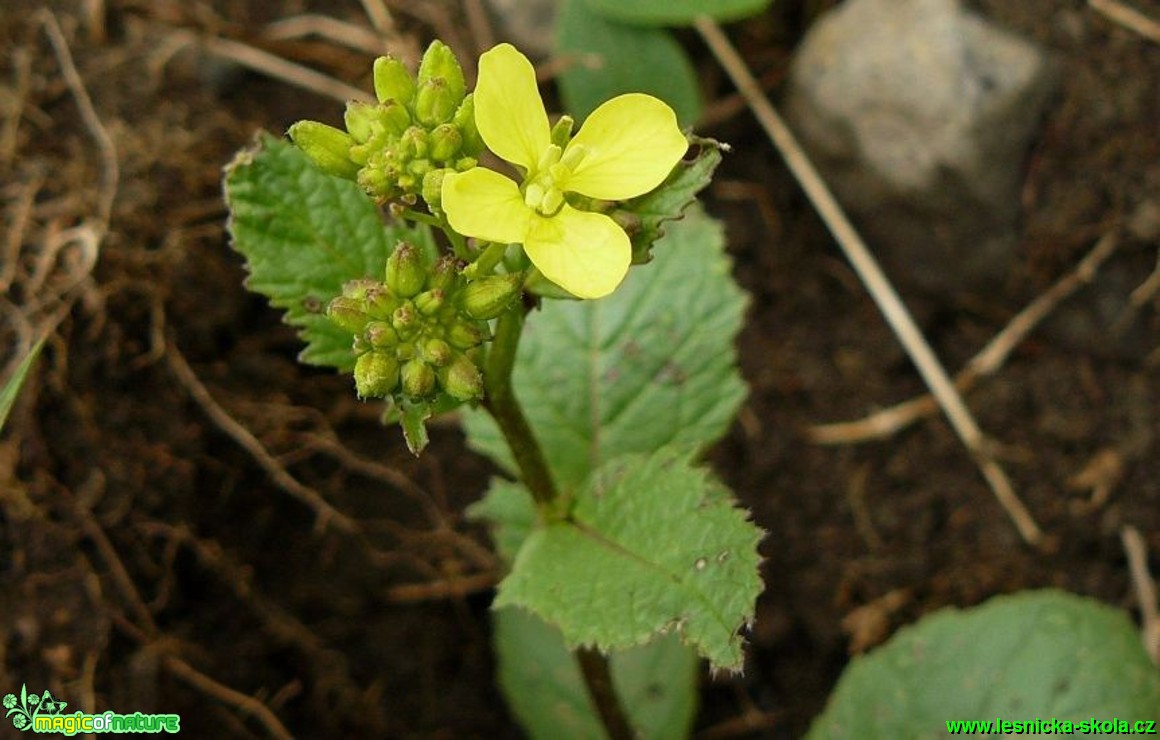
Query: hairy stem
[[500, 401]]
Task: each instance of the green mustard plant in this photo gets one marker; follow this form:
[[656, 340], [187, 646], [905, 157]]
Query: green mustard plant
[[504, 290]]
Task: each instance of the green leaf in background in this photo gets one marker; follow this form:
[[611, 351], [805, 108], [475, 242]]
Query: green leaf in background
[[1039, 654], [650, 365], [675, 12], [656, 682], [303, 234], [647, 214], [653, 546], [612, 59], [12, 386]]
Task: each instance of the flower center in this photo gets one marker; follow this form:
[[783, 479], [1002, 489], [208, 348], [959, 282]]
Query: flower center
[[545, 187]]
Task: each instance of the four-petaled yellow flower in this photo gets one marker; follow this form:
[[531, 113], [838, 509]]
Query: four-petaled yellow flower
[[626, 148]]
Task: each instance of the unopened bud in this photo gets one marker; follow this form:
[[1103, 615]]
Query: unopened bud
[[380, 335], [432, 190], [375, 375], [429, 302], [405, 320], [393, 81], [444, 275], [360, 119], [461, 379], [434, 102], [405, 273], [439, 63], [414, 143], [437, 352], [487, 298], [347, 314], [394, 117], [465, 335], [378, 302], [327, 147], [445, 142], [464, 120], [418, 379]]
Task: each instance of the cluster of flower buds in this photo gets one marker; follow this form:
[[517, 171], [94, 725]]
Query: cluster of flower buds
[[400, 148], [420, 332]]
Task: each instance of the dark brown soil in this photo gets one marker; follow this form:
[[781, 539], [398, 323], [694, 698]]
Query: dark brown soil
[[154, 558]]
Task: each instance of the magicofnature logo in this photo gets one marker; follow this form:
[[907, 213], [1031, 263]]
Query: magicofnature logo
[[45, 713]]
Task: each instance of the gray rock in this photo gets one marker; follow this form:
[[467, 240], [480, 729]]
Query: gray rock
[[919, 114]]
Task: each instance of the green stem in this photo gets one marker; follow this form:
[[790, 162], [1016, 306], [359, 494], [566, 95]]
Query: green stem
[[500, 400], [458, 243]]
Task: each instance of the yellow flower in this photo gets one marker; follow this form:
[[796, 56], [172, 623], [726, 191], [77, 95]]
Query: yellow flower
[[626, 148]]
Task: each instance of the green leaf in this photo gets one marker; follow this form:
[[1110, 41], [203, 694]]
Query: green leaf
[[675, 12], [650, 365], [612, 59], [510, 514], [414, 421], [12, 386], [649, 212], [657, 682], [653, 545], [304, 234], [1036, 654]]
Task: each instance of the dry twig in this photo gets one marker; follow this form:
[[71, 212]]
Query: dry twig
[[1128, 17], [872, 276], [1137, 552], [890, 421]]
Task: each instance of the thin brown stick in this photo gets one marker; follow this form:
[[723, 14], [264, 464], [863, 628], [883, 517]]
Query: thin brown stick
[[1137, 552], [873, 278], [451, 588], [479, 24], [325, 514], [231, 697], [110, 170], [1128, 17], [379, 16], [315, 24], [889, 421]]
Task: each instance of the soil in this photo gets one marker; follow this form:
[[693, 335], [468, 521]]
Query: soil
[[163, 548]]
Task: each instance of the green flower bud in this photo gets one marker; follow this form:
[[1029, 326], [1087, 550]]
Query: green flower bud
[[444, 275], [418, 379], [405, 273], [437, 352], [405, 320], [464, 120], [428, 303], [414, 143], [439, 63], [562, 131], [394, 117], [461, 379], [327, 147], [435, 103], [419, 168], [380, 335], [358, 289], [463, 164], [432, 190], [375, 375], [361, 119], [465, 335], [393, 81], [378, 302], [487, 298], [445, 142], [347, 314]]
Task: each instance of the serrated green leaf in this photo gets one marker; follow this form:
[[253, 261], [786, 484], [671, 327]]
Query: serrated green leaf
[[303, 234], [613, 59], [676, 12], [657, 683], [669, 201], [1046, 654], [414, 421], [650, 365], [653, 545], [13, 385]]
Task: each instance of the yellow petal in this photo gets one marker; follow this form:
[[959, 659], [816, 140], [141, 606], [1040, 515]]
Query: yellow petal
[[584, 253], [631, 144], [485, 204], [508, 110]]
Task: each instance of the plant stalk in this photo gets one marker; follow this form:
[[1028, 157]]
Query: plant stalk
[[501, 402]]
